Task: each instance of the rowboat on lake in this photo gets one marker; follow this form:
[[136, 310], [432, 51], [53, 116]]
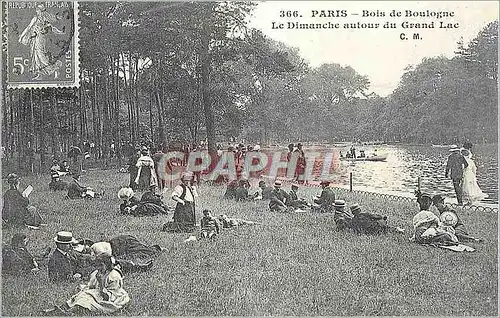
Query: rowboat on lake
[[380, 157]]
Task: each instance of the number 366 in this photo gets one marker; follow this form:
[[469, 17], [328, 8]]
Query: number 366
[[289, 14], [19, 64]]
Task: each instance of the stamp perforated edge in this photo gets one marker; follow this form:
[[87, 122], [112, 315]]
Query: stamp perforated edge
[[76, 52]]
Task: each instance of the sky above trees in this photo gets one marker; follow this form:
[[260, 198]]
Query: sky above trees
[[378, 54]]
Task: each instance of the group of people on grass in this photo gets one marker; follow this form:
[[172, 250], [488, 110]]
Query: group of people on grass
[[73, 260], [104, 262]]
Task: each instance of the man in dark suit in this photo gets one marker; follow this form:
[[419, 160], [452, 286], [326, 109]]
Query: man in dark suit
[[61, 263], [455, 169]]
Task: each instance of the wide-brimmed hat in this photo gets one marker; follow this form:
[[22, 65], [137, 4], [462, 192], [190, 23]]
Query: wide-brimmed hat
[[325, 182], [101, 248], [187, 176], [355, 207], [125, 193], [339, 203], [256, 147], [454, 149], [448, 218], [65, 237], [277, 183], [295, 185]]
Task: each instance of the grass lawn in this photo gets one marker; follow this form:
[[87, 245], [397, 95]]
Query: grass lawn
[[294, 264]]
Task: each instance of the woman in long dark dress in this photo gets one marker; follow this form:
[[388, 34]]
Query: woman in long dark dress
[[16, 208]]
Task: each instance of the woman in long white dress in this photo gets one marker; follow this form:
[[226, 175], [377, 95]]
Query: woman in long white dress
[[471, 191]]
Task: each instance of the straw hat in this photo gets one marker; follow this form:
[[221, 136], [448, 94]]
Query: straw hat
[[448, 218], [355, 207], [125, 193], [65, 237], [277, 183], [339, 203], [101, 248]]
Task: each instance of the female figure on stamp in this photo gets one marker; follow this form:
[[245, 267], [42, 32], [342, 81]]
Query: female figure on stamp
[[34, 35]]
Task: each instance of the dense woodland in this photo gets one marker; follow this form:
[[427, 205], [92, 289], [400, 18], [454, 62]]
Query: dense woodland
[[161, 72]]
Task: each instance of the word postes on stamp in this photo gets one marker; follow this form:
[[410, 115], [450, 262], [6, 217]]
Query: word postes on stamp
[[42, 44]]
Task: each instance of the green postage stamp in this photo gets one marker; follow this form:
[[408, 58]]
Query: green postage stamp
[[42, 44]]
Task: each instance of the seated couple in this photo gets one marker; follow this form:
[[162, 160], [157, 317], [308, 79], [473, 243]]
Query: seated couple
[[281, 201], [149, 204], [447, 229], [239, 191]]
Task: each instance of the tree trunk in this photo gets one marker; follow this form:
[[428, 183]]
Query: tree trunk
[[207, 103]]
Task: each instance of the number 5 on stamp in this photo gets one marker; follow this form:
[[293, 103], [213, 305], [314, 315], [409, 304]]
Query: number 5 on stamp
[[42, 44]]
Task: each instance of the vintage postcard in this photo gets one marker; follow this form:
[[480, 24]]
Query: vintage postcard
[[42, 44], [249, 158]]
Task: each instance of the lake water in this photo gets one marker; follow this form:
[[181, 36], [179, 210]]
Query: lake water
[[405, 164]]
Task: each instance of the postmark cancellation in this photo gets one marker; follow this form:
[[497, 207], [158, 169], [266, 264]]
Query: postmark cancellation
[[42, 44]]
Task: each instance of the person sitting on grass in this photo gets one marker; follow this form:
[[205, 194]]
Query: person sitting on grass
[[294, 201], [150, 204], [449, 217], [233, 222], [62, 262], [342, 218], [209, 225], [370, 223], [16, 259], [56, 184], [17, 210], [184, 219], [241, 193], [427, 227], [129, 201], [103, 294], [324, 203], [278, 198], [231, 190], [263, 192], [78, 191]]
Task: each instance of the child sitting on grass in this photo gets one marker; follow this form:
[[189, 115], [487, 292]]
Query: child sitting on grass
[[209, 225]]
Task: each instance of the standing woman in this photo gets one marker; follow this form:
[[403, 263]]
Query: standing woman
[[146, 176], [16, 207], [470, 189]]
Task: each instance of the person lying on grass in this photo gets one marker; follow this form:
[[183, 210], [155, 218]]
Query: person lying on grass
[[341, 217], [278, 199], [17, 210], [232, 222], [294, 200], [209, 225], [325, 201], [428, 228], [78, 191], [449, 217], [370, 223], [16, 259], [103, 294]]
